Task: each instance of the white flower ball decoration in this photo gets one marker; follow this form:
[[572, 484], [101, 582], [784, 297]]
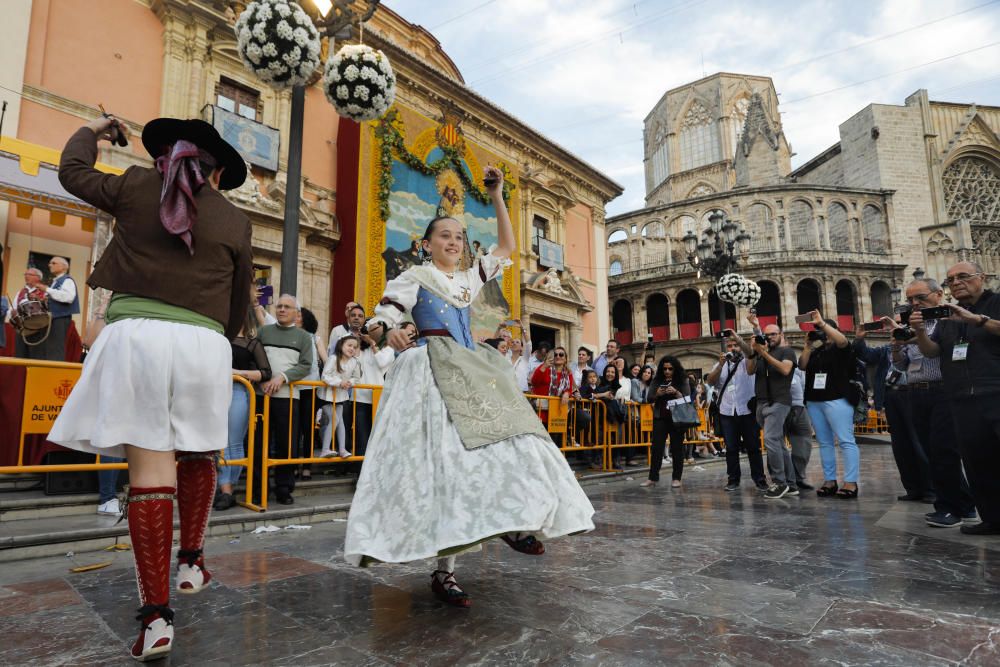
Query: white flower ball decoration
[[359, 82], [278, 42], [734, 288]]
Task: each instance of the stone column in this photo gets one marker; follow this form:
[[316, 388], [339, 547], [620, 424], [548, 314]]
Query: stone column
[[176, 65], [865, 311], [706, 316], [789, 305], [675, 326], [783, 221], [861, 235], [198, 54], [824, 226], [829, 298]]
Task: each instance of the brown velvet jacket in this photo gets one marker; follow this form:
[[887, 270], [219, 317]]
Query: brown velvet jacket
[[144, 259]]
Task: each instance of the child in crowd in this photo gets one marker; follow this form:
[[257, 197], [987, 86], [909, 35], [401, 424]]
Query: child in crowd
[[340, 376]]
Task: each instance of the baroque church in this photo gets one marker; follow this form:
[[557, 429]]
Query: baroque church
[[907, 189]]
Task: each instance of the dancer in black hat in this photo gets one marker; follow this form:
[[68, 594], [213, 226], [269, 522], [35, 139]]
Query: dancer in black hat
[[156, 385]]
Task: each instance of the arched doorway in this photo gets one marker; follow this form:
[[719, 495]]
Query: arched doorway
[[621, 321], [769, 307], [808, 297], [713, 313], [847, 305], [658, 316], [689, 314], [881, 297]]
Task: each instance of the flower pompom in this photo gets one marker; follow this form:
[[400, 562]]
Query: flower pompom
[[359, 82], [278, 42]]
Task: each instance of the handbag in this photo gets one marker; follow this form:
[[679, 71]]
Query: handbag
[[684, 415]]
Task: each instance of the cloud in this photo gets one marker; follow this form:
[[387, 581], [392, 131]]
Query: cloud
[[585, 74]]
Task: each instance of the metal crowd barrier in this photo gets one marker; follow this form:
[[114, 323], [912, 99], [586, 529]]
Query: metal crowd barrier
[[63, 386], [876, 424], [268, 460]]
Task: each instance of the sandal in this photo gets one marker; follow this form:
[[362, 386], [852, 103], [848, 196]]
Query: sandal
[[526, 545], [847, 494], [447, 590], [827, 490]]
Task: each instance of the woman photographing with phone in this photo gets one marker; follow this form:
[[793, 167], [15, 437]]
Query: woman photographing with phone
[[670, 383]]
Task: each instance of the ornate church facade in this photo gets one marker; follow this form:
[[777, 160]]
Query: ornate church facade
[[907, 187]]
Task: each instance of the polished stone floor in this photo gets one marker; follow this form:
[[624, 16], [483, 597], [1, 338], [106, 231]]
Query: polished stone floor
[[693, 576]]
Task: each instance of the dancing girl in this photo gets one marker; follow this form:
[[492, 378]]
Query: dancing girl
[[457, 456]]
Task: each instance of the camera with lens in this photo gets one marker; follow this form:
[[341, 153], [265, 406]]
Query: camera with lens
[[816, 335], [760, 339], [733, 357], [904, 334]]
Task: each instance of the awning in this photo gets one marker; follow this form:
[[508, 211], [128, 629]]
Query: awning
[[29, 178]]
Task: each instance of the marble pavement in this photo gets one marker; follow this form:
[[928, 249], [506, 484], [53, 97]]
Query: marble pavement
[[680, 577]]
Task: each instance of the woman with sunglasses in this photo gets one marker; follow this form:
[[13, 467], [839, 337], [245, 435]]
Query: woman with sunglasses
[[669, 383], [553, 378]]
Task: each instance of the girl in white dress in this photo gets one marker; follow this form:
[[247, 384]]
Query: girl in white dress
[[456, 455]]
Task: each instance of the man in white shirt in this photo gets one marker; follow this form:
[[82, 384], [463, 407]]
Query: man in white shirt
[[735, 388], [354, 315]]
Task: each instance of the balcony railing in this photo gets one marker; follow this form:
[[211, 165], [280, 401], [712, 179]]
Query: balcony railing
[[659, 268]]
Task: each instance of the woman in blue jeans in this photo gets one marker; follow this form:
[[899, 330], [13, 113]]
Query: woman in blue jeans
[[249, 362], [829, 364]]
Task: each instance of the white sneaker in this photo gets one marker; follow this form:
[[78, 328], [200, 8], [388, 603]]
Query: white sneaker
[[111, 508], [191, 578], [154, 642]]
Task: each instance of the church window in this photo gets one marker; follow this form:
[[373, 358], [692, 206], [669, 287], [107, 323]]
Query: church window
[[618, 236], [616, 268], [737, 119], [875, 230], [699, 141], [972, 191]]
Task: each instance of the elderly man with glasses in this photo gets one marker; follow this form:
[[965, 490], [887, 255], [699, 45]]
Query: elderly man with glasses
[[290, 354], [968, 346], [929, 424]]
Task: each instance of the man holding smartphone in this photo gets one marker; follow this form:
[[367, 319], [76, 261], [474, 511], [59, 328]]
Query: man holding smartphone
[[773, 363], [735, 389], [968, 347]]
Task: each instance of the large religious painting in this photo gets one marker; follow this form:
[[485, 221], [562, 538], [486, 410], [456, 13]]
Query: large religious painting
[[438, 173]]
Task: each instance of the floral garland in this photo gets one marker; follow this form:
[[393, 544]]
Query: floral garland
[[278, 42], [359, 82], [389, 135], [735, 288]]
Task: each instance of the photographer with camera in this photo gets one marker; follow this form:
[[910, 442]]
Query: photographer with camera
[[772, 363], [734, 392], [967, 342], [911, 458], [929, 418], [829, 363]]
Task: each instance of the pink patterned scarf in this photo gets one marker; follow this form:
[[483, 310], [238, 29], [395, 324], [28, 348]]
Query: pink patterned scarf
[[182, 179]]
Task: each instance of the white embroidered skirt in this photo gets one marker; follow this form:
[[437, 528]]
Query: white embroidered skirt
[[421, 492], [157, 385]]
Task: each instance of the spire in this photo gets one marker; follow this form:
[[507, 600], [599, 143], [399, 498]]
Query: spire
[[757, 123]]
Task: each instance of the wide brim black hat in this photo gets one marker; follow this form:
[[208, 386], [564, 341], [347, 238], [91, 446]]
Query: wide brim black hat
[[158, 135]]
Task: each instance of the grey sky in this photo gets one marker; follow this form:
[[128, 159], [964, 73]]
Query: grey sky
[[586, 72]]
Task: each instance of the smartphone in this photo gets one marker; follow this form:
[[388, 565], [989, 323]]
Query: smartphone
[[725, 333], [266, 295], [805, 317], [873, 326], [936, 313]]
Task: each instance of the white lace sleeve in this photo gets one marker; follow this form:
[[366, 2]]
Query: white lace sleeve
[[486, 268], [399, 297]]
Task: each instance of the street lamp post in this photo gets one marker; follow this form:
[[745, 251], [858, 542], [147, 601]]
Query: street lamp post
[[723, 246], [337, 19]]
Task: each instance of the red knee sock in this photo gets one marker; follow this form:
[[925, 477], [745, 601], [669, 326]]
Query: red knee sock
[[151, 527], [196, 479]]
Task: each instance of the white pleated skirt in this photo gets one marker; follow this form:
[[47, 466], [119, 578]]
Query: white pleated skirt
[[161, 386], [422, 493]]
